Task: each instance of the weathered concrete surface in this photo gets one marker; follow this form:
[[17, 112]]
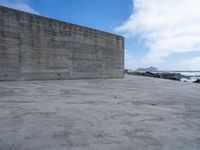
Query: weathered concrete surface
[[135, 113], [35, 47]]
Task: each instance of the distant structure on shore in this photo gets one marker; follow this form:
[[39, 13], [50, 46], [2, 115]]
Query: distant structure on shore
[[33, 47], [151, 69]]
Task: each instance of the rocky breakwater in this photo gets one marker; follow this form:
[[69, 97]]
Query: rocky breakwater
[[197, 81], [162, 75]]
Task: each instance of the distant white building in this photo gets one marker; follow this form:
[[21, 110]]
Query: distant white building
[[151, 69]]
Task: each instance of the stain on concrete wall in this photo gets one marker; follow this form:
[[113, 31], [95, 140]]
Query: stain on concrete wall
[[34, 47]]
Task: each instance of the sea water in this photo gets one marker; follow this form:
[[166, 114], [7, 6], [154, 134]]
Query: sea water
[[190, 76]]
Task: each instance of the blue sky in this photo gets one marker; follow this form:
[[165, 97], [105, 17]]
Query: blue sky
[[164, 34]]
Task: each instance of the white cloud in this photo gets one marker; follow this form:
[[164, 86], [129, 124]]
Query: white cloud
[[19, 5], [166, 27], [193, 63], [129, 60]]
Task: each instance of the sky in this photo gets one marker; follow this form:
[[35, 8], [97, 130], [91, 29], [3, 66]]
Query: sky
[[160, 33]]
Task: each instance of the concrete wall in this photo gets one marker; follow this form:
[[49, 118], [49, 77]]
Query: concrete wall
[[34, 47]]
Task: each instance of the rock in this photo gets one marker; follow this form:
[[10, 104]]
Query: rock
[[150, 74], [126, 71], [164, 75], [147, 74], [197, 81], [171, 76]]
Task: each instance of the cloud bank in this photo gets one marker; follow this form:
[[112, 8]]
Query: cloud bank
[[19, 5], [194, 62], [129, 60], [166, 27]]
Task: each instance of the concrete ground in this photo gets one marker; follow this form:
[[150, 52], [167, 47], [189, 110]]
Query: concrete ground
[[135, 113]]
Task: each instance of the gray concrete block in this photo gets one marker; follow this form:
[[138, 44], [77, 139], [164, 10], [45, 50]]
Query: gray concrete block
[[38, 48]]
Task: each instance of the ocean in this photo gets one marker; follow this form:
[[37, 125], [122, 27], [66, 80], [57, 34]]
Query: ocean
[[191, 75]]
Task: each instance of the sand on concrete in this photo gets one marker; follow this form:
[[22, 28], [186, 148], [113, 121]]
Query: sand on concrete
[[135, 113]]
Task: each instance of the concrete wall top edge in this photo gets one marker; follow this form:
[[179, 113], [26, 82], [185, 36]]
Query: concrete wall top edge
[[65, 23]]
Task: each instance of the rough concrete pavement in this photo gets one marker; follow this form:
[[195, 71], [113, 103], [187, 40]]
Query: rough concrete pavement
[[134, 113]]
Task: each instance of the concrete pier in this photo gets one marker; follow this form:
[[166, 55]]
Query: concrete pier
[[135, 113]]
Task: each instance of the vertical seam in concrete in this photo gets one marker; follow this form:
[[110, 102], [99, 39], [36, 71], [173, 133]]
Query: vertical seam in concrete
[[101, 63], [20, 43], [123, 47], [70, 63]]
